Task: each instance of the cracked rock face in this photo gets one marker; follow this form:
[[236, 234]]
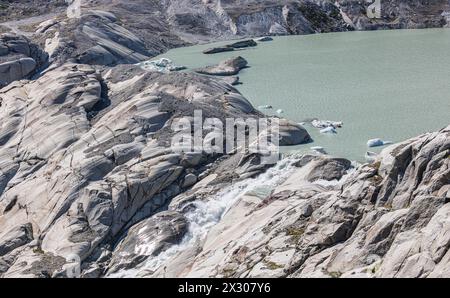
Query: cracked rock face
[[19, 58], [148, 238], [94, 148], [399, 14], [339, 224], [87, 173], [115, 32]]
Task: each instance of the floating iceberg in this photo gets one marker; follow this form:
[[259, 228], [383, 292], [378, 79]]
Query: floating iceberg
[[280, 111], [329, 129], [377, 143], [161, 65], [326, 126], [265, 38], [326, 123]]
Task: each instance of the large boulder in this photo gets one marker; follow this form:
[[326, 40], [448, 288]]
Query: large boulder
[[148, 239], [228, 67], [292, 133]]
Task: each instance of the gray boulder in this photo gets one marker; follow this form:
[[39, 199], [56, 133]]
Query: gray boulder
[[148, 239], [228, 67], [189, 180], [292, 133], [329, 169]]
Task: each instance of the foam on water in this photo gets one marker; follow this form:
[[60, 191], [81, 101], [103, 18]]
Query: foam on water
[[210, 211]]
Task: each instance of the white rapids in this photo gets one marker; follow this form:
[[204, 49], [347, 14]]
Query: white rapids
[[210, 211]]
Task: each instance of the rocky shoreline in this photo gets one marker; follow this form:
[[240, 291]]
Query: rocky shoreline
[[88, 178]]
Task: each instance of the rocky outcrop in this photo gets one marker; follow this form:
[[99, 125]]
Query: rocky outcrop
[[243, 44], [17, 237], [399, 14], [228, 67], [148, 238], [292, 133], [231, 47], [95, 147], [322, 217], [114, 32], [91, 137], [19, 58]]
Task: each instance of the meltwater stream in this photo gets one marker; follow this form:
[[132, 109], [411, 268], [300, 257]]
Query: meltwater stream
[[210, 211], [391, 85]]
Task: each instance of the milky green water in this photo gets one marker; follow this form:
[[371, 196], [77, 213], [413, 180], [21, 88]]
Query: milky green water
[[391, 85]]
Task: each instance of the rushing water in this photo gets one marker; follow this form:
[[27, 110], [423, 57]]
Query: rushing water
[[391, 85], [208, 213]]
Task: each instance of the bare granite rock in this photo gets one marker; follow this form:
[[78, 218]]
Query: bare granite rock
[[228, 67], [292, 133], [19, 58], [95, 149], [88, 176], [337, 224], [113, 32], [148, 238]]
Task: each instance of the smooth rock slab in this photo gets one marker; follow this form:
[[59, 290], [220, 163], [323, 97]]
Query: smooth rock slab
[[228, 67], [149, 238], [292, 133]]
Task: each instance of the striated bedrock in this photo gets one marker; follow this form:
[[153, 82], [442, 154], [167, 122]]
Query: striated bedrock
[[330, 219], [19, 58], [110, 33], [164, 229], [85, 154], [86, 164]]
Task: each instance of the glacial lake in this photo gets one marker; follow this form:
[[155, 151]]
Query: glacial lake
[[391, 85]]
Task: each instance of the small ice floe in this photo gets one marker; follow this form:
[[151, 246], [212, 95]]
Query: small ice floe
[[265, 107], [319, 149], [329, 129], [326, 126], [280, 111], [265, 38], [326, 123], [370, 156], [161, 65], [377, 143]]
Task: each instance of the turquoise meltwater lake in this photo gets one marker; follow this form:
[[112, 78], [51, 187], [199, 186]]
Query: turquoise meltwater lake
[[391, 85]]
